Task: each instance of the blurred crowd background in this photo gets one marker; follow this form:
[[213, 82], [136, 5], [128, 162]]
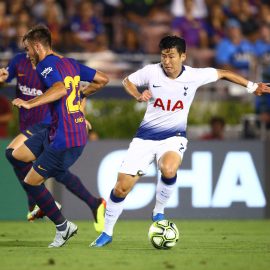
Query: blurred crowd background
[[120, 36]]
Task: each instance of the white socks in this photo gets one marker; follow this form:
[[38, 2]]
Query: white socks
[[113, 211], [114, 208], [163, 194]]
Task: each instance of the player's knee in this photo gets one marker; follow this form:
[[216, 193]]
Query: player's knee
[[123, 185], [9, 155], [29, 182], [168, 172], [33, 181], [14, 161], [121, 191], [29, 185]]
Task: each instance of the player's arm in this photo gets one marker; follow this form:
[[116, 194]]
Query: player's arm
[[52, 79], [83, 110], [96, 79], [99, 81], [132, 90], [83, 106], [256, 88], [8, 73], [54, 93], [3, 75]]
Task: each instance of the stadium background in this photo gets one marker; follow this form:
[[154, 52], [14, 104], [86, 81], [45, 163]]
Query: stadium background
[[221, 205], [118, 37]]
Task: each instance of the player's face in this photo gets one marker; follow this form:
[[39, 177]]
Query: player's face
[[172, 61], [31, 52]]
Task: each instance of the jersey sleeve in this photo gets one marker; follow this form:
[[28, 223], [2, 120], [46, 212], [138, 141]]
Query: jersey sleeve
[[141, 76], [206, 75], [11, 68], [87, 74], [48, 73]]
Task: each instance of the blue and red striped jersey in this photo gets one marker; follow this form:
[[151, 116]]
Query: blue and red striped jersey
[[28, 86], [68, 123]]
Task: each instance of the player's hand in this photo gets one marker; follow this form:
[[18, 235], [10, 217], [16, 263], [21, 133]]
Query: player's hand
[[145, 96], [262, 89], [3, 75], [21, 103], [88, 125]]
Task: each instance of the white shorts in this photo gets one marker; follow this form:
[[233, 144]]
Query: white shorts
[[141, 153]]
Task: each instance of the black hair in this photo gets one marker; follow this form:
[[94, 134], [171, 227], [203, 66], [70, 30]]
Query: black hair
[[170, 42], [39, 33]]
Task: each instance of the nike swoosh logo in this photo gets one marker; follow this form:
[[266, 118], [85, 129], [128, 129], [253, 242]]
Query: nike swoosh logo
[[156, 86], [66, 236], [20, 74], [41, 168], [29, 132]]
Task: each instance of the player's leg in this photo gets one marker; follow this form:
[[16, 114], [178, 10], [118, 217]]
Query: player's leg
[[17, 141], [114, 207], [54, 163], [51, 163], [169, 155], [22, 157], [135, 164], [25, 154], [168, 165], [97, 205], [115, 203], [21, 170], [34, 183]]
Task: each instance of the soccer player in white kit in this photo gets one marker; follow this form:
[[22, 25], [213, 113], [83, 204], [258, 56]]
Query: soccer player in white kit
[[161, 136]]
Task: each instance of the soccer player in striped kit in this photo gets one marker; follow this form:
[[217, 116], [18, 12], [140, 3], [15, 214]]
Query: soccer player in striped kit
[[33, 120], [161, 136], [55, 149], [30, 121]]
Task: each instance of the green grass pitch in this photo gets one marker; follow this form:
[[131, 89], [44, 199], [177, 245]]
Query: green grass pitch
[[217, 245]]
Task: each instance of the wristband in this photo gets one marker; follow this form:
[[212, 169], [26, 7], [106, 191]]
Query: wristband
[[251, 87]]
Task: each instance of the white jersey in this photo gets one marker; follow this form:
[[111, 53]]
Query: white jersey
[[167, 110]]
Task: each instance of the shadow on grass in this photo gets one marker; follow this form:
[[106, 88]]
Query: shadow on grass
[[17, 243]]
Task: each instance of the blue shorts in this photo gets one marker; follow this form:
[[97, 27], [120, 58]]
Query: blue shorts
[[38, 142], [30, 131], [51, 162]]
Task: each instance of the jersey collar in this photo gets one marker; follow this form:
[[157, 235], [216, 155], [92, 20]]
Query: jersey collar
[[182, 70]]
